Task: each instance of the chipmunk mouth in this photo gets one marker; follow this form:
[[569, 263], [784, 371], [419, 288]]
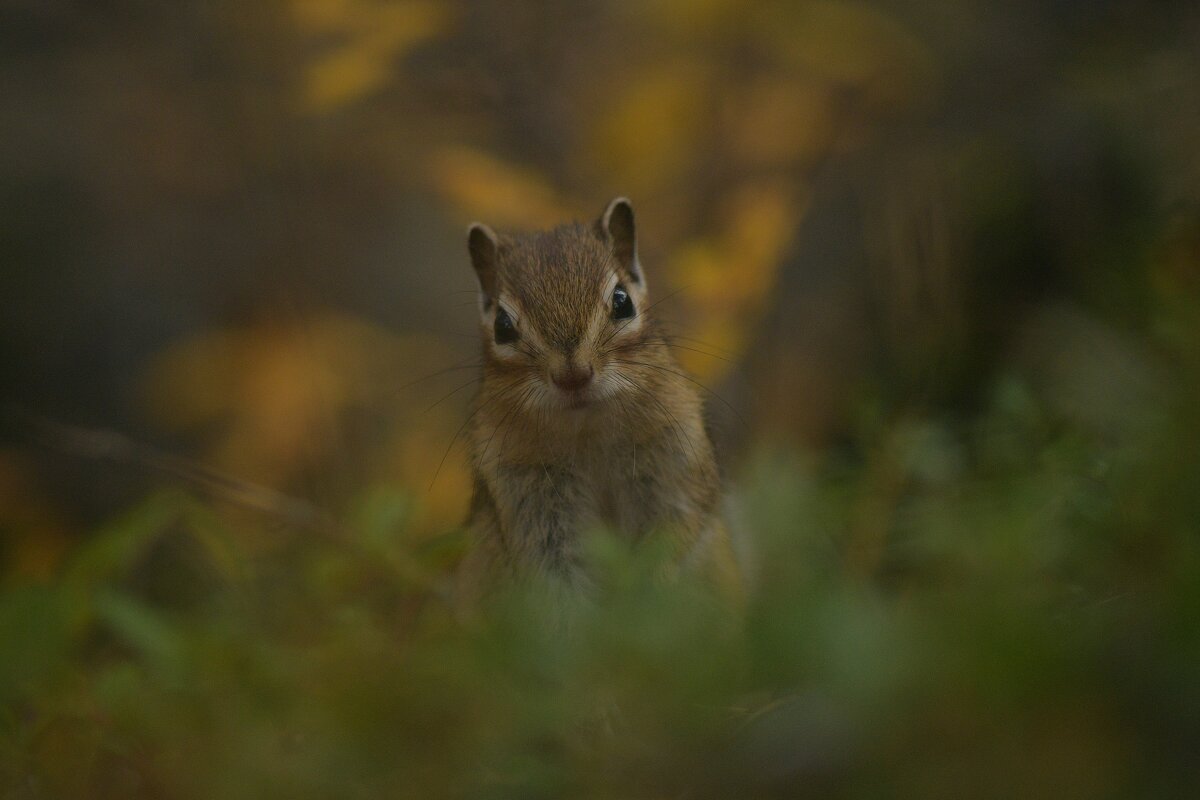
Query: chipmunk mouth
[[576, 400]]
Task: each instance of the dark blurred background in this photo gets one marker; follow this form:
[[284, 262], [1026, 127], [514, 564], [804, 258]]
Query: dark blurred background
[[235, 230], [938, 263]]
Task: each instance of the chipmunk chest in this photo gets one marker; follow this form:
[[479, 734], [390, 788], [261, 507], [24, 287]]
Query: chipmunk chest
[[615, 481]]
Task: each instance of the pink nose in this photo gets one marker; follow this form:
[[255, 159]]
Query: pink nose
[[573, 379]]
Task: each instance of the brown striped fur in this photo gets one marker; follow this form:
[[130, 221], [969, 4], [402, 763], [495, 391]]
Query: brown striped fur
[[634, 457]]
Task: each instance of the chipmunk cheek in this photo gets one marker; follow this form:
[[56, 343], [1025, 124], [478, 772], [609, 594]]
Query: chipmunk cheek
[[623, 330]]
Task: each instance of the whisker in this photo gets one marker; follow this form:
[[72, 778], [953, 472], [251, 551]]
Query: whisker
[[459, 334], [451, 394], [686, 378], [667, 297], [504, 440], [502, 393], [527, 352], [516, 404], [456, 368], [488, 443], [664, 299], [680, 434], [701, 352], [701, 342]]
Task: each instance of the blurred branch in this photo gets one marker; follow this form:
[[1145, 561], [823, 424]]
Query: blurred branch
[[107, 445]]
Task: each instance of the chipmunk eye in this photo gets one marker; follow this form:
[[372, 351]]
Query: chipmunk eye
[[622, 304], [504, 329]]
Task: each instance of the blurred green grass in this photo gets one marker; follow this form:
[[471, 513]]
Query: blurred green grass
[[1000, 606]]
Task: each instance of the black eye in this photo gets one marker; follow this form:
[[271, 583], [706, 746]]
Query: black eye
[[622, 304], [504, 328]]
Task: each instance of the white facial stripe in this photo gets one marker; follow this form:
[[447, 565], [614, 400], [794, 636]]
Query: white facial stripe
[[513, 309], [596, 327], [626, 327], [603, 331], [513, 314], [596, 332], [611, 284]]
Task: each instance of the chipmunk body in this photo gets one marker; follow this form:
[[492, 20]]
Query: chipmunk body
[[583, 418]]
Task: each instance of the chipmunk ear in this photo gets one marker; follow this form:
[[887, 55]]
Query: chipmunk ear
[[616, 226], [483, 245]]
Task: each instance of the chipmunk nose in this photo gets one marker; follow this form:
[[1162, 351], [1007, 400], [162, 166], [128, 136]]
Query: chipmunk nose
[[573, 378]]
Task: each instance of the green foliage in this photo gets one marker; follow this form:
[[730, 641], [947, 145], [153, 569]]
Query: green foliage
[[1006, 606]]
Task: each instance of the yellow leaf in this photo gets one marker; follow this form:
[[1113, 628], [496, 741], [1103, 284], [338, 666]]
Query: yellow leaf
[[728, 275], [849, 43], [376, 35], [779, 122], [761, 220], [414, 457], [649, 133], [270, 392], [344, 76], [485, 188], [711, 347]]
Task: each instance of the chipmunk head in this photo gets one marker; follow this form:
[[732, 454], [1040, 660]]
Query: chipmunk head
[[561, 310]]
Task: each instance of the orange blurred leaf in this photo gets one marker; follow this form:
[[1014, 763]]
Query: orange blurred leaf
[[483, 187], [372, 36]]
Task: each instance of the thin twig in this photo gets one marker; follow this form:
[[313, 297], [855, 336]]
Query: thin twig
[[107, 445]]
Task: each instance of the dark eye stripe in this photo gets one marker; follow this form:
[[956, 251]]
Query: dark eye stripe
[[622, 303], [504, 329]]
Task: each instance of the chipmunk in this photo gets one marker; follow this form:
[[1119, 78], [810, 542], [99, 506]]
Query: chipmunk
[[583, 418]]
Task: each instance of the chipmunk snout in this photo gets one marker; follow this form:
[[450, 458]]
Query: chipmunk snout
[[573, 377]]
